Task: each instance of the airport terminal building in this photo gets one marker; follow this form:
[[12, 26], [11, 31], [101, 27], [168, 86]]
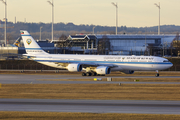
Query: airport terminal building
[[123, 44]]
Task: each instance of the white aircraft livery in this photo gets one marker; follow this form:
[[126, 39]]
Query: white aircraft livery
[[93, 64]]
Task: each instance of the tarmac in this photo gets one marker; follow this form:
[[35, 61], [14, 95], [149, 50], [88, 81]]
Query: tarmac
[[68, 79], [91, 106]]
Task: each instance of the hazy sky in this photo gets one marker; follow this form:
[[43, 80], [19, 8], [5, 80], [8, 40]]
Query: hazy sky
[[132, 13]]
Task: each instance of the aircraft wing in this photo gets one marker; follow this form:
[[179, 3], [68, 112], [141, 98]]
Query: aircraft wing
[[64, 62], [85, 64]]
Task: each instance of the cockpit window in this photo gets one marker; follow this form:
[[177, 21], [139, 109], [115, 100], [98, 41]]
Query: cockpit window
[[165, 61]]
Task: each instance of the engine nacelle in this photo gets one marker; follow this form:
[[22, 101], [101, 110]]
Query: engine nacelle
[[74, 67], [103, 70], [128, 72]]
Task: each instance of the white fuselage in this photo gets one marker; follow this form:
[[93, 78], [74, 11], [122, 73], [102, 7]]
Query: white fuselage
[[122, 63]]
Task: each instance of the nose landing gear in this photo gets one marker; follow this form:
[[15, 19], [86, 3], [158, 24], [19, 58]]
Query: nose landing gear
[[157, 73]]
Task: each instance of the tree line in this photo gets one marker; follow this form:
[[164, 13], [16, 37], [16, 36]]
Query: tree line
[[72, 29]]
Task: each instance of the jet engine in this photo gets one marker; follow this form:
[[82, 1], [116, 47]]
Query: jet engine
[[74, 67], [128, 72], [103, 70]]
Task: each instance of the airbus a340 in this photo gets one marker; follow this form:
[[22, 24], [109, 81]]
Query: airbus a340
[[93, 64]]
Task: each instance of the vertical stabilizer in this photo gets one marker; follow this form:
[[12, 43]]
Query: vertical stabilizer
[[17, 42], [30, 44]]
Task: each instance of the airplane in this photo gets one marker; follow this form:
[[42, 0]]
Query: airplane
[[16, 43], [93, 64]]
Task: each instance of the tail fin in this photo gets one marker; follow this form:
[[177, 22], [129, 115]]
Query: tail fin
[[17, 42], [30, 44]]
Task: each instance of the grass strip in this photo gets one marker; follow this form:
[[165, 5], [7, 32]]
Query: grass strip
[[83, 116], [92, 91]]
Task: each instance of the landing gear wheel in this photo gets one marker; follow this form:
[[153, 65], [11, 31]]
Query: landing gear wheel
[[157, 74], [83, 74], [94, 73], [88, 74]]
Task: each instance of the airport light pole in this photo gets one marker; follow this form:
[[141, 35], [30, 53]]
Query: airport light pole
[[93, 29], [163, 45], [40, 32], [5, 3], [51, 3], [116, 5], [159, 16]]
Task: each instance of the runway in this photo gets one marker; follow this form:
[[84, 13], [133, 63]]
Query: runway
[[66, 79], [91, 106]]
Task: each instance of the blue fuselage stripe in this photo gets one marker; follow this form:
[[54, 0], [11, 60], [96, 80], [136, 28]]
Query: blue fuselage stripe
[[25, 35], [33, 48]]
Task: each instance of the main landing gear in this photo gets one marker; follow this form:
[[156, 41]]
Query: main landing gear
[[157, 73], [89, 74]]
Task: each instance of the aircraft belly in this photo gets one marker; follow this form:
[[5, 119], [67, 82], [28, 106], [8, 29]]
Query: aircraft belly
[[141, 67], [119, 68], [136, 67]]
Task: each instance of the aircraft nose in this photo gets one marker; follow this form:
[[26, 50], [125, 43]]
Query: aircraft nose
[[171, 65]]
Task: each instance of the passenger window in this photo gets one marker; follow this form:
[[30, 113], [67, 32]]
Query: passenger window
[[165, 61]]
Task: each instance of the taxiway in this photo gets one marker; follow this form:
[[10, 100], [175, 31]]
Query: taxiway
[[68, 79], [91, 106]]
